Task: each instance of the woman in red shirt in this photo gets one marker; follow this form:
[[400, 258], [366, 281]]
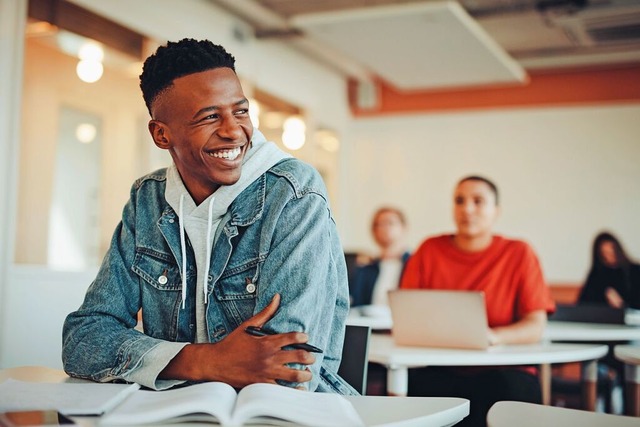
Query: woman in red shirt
[[517, 298]]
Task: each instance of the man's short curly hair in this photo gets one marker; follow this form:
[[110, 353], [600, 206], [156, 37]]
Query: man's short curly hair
[[178, 59]]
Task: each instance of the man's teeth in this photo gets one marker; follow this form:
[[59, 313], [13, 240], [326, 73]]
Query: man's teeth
[[226, 154]]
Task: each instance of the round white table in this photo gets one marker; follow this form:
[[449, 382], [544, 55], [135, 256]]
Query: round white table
[[597, 333], [522, 414], [398, 359], [377, 322], [594, 332], [630, 355]]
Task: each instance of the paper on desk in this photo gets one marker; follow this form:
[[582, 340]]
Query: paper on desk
[[66, 398]]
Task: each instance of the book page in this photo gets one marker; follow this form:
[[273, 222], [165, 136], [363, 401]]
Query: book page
[[297, 406], [151, 407], [72, 398]]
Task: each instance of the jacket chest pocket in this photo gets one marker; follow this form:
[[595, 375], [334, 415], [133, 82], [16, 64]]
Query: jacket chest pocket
[[157, 269], [237, 290], [238, 283]]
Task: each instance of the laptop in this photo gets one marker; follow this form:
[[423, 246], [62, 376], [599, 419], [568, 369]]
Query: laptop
[[438, 318]]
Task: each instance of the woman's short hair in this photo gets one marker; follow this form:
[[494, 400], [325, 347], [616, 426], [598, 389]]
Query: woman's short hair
[[391, 209]]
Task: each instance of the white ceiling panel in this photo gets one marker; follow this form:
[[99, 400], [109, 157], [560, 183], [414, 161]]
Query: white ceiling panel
[[412, 46]]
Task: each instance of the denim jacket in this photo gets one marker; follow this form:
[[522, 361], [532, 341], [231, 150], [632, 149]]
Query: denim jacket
[[278, 236]]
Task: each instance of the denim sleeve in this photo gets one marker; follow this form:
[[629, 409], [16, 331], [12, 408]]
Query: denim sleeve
[[305, 265], [99, 341], [153, 363]]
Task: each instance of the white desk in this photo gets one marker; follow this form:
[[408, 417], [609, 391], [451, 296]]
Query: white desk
[[593, 332], [601, 333], [379, 321], [555, 331], [630, 355], [399, 359], [521, 414], [374, 410], [410, 411]]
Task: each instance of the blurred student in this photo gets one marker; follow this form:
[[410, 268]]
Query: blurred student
[[614, 279], [516, 295], [373, 280]]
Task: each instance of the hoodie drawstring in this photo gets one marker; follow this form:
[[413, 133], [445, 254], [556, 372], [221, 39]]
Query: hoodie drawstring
[[183, 248], [205, 278]]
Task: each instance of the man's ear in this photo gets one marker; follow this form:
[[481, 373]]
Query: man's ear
[[160, 134]]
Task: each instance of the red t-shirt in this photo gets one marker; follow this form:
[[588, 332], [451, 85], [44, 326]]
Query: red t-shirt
[[507, 271]]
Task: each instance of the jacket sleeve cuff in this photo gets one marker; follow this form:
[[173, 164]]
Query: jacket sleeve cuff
[[153, 362]]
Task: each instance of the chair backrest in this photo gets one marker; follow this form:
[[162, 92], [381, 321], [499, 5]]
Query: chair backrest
[[522, 414], [351, 258], [592, 313], [355, 357]]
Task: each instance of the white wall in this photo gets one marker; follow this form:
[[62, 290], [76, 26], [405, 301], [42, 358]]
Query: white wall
[[40, 299], [563, 173]]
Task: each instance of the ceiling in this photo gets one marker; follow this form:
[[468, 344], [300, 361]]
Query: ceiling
[[433, 44]]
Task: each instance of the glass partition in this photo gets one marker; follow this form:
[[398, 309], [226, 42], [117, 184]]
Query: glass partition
[[74, 234], [82, 145]]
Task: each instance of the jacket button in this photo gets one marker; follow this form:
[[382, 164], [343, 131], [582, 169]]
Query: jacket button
[[162, 280], [251, 288]]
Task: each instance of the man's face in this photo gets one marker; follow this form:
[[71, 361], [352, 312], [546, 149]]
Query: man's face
[[474, 209], [203, 120]]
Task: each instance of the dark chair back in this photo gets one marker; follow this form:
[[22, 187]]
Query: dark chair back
[[351, 259], [355, 357], [592, 313]]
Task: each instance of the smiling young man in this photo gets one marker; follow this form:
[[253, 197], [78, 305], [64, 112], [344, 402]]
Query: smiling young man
[[516, 296], [219, 241]]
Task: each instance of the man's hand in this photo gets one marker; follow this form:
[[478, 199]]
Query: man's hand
[[241, 359]]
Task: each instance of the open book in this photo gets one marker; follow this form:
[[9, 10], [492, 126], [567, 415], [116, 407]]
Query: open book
[[218, 402]]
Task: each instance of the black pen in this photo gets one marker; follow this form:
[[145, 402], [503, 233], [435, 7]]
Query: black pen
[[257, 331]]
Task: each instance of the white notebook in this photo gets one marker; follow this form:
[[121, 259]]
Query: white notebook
[[70, 398]]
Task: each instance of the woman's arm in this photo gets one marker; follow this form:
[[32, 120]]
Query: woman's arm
[[527, 330]]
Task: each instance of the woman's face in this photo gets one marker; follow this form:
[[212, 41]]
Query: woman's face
[[387, 228], [608, 253]]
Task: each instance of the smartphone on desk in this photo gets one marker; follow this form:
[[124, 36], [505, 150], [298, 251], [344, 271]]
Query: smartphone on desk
[[34, 418]]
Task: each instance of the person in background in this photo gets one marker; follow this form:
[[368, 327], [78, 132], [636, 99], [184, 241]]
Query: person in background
[[516, 296], [373, 280], [614, 279], [234, 233]]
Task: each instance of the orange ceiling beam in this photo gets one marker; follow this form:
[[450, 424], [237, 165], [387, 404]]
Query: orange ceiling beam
[[568, 87]]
